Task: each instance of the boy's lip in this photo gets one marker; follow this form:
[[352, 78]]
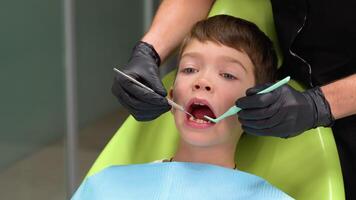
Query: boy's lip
[[193, 124], [199, 101]]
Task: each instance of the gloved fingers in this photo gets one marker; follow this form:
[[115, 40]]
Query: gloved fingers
[[271, 122], [260, 113], [256, 89], [138, 107], [132, 91], [155, 83], [143, 95], [277, 131], [133, 103], [149, 78], [125, 99], [141, 110], [147, 115], [258, 100]]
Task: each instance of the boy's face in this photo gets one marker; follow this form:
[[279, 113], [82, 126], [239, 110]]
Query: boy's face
[[210, 78]]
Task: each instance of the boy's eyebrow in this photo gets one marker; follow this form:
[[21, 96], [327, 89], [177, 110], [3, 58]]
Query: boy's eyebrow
[[224, 58], [192, 54], [233, 60]]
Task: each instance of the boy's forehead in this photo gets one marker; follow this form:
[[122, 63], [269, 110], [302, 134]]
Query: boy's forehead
[[196, 49]]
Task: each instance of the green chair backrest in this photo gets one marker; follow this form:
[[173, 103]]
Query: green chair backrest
[[305, 167]]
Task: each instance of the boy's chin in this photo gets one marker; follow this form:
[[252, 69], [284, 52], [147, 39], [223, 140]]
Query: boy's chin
[[198, 138]]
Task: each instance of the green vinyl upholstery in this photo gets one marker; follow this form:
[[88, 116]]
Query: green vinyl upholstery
[[305, 167]]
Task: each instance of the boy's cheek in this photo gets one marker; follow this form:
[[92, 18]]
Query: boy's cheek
[[176, 93], [241, 93], [232, 99]]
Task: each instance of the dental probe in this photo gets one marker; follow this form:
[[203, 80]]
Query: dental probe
[[170, 102], [234, 109]]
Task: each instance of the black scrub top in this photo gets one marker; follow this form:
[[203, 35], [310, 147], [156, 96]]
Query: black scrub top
[[318, 42], [325, 47]]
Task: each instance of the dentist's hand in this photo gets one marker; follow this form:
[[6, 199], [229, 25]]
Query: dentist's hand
[[143, 66], [283, 112]]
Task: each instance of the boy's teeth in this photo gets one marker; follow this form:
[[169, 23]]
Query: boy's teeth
[[200, 121]]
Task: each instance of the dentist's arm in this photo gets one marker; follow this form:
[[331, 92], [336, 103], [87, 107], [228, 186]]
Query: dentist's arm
[[286, 112], [172, 22], [341, 96]]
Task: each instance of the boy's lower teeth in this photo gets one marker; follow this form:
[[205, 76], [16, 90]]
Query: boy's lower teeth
[[200, 121]]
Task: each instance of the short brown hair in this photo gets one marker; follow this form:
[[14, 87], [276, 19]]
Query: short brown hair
[[241, 35]]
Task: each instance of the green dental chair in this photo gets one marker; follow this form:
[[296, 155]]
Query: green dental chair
[[305, 167]]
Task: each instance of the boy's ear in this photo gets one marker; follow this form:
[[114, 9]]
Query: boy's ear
[[170, 96], [170, 93]]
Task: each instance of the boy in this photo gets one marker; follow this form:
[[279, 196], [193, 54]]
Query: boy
[[219, 60]]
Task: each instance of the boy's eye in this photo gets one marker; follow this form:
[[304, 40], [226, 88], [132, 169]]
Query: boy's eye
[[228, 76], [189, 70]]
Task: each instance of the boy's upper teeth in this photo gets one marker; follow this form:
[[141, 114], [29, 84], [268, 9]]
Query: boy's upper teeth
[[201, 104]]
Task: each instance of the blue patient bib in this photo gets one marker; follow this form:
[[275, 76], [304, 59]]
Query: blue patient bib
[[175, 181]]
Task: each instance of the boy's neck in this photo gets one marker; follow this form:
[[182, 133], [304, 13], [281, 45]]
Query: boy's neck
[[223, 156]]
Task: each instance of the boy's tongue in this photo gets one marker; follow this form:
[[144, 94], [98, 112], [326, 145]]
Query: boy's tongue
[[200, 111]]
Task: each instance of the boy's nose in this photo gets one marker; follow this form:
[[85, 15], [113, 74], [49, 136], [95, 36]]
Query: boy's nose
[[208, 88], [202, 84]]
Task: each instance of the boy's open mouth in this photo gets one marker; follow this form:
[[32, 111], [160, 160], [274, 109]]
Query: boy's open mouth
[[198, 108]]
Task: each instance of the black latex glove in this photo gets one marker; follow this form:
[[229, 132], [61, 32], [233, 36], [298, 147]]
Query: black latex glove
[[283, 112], [143, 66]]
